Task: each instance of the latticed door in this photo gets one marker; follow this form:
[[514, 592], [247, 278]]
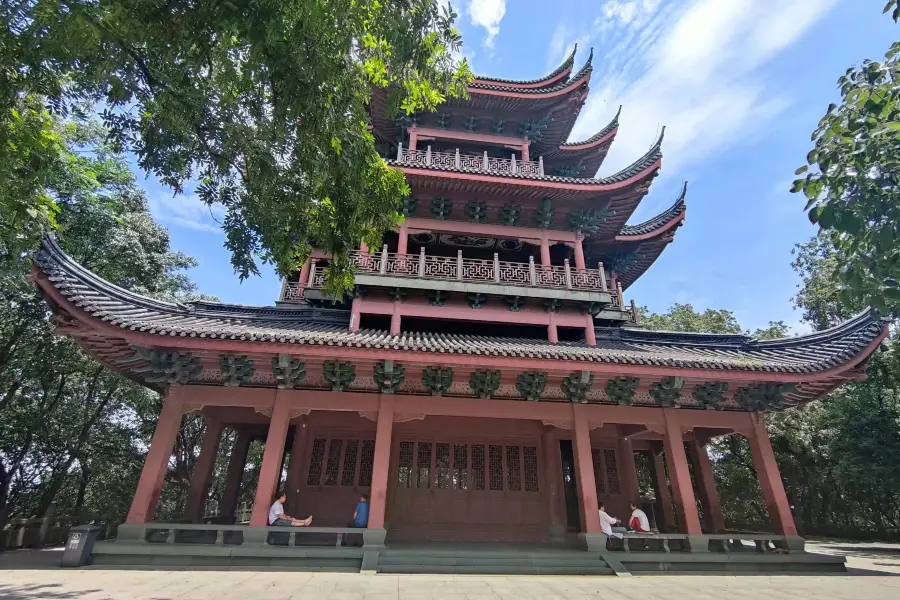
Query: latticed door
[[607, 480], [466, 490], [339, 470]]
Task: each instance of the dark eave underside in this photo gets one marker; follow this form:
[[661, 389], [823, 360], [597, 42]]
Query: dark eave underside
[[88, 297]]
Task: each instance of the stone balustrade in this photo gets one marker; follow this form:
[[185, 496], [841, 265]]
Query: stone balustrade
[[470, 162]]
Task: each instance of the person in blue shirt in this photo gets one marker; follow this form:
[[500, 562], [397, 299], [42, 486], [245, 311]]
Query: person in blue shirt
[[361, 514]]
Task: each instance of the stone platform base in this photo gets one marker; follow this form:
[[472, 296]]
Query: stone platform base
[[749, 563]]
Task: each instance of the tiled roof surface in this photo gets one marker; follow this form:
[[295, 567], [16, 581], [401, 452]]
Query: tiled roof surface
[[582, 73], [652, 155], [566, 64], [304, 325], [612, 125], [660, 220]]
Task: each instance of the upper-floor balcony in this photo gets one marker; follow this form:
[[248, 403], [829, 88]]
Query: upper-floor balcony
[[456, 274], [481, 163]]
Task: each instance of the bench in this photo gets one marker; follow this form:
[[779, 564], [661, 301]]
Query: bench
[[227, 535], [660, 540], [729, 542]]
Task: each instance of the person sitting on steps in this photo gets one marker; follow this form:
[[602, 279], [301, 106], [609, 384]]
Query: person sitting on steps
[[277, 518]]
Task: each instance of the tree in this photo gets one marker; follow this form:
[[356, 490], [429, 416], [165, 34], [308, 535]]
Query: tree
[[65, 421], [684, 317], [851, 182], [264, 102]]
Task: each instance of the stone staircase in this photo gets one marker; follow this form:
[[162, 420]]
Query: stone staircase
[[491, 561]]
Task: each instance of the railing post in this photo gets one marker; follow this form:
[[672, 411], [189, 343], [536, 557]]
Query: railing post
[[568, 273], [621, 296], [422, 261], [384, 259], [428, 155], [541, 165], [312, 273], [459, 265], [603, 285], [457, 158], [485, 160], [635, 316], [400, 152], [496, 268], [531, 271], [512, 165]]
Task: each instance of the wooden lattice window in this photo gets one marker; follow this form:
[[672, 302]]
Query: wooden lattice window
[[366, 462], [477, 466], [315, 462], [333, 462], [495, 466], [442, 465], [531, 469], [513, 469], [348, 473], [423, 465], [405, 465], [612, 471], [599, 471], [460, 466]]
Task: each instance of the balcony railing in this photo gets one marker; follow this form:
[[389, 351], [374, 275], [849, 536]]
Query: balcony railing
[[471, 162], [471, 270]]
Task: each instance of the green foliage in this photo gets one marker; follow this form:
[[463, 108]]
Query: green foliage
[[851, 183], [264, 102]]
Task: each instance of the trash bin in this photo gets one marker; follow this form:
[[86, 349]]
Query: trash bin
[[79, 545]]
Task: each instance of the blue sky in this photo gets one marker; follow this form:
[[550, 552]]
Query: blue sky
[[739, 85]]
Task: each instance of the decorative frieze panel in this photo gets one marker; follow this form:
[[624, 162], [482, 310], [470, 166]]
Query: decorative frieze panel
[[515, 303], [165, 367], [621, 390], [441, 208], [763, 397], [288, 373], [476, 300], [576, 385], [543, 215], [531, 385], [484, 383], [438, 297], [497, 126], [710, 395], [389, 376], [470, 123], [437, 380], [589, 221], [510, 214], [667, 391], [476, 211], [339, 375], [235, 370]]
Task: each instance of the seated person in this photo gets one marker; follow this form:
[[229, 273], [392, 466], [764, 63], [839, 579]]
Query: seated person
[[639, 523], [361, 514], [277, 518], [608, 523]]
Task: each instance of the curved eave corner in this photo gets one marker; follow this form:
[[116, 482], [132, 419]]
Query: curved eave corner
[[564, 86], [559, 73], [605, 134]]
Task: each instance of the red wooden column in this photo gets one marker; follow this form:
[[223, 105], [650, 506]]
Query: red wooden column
[[680, 475], [769, 477], [579, 251], [153, 475], [269, 471], [402, 238], [236, 464], [412, 136], [545, 251], [629, 471], [203, 471], [381, 462], [662, 491], [706, 483], [296, 464], [304, 273], [552, 479], [584, 466]]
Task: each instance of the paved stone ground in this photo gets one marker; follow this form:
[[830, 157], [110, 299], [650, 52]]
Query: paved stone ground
[[875, 574]]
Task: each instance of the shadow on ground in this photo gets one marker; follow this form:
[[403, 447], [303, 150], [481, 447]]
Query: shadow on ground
[[39, 590]]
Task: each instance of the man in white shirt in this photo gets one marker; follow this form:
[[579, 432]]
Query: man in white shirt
[[639, 521], [277, 518], [608, 524]]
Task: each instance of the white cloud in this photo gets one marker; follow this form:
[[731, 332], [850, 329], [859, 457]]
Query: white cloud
[[186, 211], [487, 14], [692, 65]]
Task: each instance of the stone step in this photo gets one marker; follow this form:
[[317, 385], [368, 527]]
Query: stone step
[[497, 561], [494, 570]]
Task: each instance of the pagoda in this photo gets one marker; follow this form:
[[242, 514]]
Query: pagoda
[[486, 379]]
